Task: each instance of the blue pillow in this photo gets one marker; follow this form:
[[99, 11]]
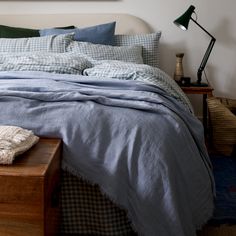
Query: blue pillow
[[98, 34]]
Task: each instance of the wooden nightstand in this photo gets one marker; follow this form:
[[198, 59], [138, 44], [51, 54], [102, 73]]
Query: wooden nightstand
[[205, 92], [29, 201]]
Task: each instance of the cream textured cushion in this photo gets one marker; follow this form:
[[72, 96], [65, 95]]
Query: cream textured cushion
[[14, 141]]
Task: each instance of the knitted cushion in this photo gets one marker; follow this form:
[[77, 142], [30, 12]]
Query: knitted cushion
[[223, 126], [14, 141]]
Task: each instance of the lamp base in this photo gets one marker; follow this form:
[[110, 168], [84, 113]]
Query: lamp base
[[197, 84]]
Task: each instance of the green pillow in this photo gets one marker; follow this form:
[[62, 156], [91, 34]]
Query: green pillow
[[16, 32]]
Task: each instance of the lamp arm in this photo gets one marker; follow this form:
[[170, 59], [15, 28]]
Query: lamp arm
[[207, 53], [204, 60], [202, 27]]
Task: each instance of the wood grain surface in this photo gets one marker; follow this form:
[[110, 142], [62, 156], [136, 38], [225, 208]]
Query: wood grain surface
[[29, 191]]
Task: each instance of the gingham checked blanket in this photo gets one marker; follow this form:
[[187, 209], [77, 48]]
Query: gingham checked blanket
[[87, 211], [142, 147]]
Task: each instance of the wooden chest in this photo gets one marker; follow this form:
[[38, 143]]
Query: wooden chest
[[29, 191]]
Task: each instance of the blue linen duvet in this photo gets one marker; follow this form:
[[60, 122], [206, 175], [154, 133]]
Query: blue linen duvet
[[139, 143]]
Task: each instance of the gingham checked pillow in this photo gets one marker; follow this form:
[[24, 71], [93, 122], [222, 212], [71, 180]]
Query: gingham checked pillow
[[130, 71], [149, 43], [52, 43], [62, 63], [107, 52]]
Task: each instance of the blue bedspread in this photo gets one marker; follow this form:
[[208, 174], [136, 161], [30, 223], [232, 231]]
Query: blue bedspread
[[142, 146]]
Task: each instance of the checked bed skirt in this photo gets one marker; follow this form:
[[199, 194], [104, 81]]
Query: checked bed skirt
[[86, 211]]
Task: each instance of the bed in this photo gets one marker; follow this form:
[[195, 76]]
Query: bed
[[134, 159]]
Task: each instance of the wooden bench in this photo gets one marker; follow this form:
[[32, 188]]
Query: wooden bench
[[29, 191]]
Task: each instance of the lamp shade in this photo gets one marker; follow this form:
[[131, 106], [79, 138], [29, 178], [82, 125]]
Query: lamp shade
[[184, 19]]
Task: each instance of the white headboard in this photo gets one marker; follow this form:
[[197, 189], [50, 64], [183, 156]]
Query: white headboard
[[125, 23]]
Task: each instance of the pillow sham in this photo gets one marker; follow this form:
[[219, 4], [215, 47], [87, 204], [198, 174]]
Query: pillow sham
[[62, 63], [53, 43], [98, 34], [107, 52], [17, 32], [149, 42]]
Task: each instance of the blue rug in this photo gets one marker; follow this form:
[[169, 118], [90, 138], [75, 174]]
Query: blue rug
[[224, 169]]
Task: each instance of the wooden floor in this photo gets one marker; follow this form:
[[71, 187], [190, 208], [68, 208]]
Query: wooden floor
[[224, 230]]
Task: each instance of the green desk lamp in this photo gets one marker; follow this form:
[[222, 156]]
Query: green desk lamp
[[182, 22]]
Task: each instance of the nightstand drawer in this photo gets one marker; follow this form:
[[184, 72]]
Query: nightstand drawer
[[29, 191]]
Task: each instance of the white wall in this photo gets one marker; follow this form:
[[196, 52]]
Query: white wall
[[217, 16]]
